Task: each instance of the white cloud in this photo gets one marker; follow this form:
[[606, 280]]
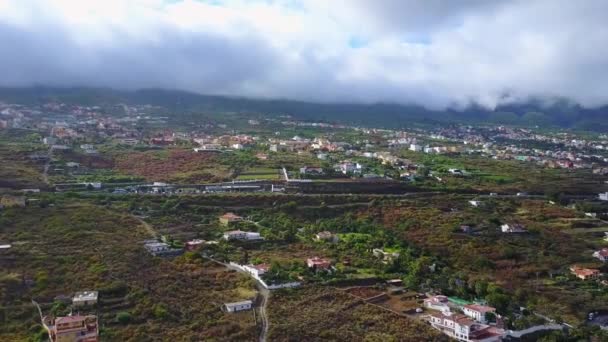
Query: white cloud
[[433, 53]]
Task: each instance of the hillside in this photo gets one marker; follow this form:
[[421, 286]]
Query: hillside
[[534, 112]]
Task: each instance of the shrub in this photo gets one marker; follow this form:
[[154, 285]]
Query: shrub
[[123, 317]]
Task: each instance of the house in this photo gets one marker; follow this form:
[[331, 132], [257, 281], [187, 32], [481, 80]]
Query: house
[[194, 245], [476, 204], [318, 263], [310, 170], [603, 196], [160, 248], [326, 236], [515, 228], [349, 168], [257, 270], [602, 254], [230, 218], [477, 312], [462, 328], [385, 256], [155, 247], [438, 302], [585, 273], [237, 306], [84, 298], [77, 328], [415, 148], [241, 235]]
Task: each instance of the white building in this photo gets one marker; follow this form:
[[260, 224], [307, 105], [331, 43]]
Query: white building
[[85, 298], [462, 328], [603, 196], [513, 228], [155, 247], [349, 167], [257, 270], [415, 148], [439, 303], [477, 312], [475, 203], [237, 306], [241, 235]]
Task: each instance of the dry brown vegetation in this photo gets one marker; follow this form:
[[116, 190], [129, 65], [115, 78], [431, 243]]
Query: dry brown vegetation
[[172, 165], [57, 251], [326, 314]]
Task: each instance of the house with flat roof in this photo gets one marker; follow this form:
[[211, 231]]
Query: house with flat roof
[[161, 248], [76, 328], [438, 302], [238, 306], [462, 328], [241, 235], [85, 298], [514, 228], [257, 270], [477, 312], [386, 256]]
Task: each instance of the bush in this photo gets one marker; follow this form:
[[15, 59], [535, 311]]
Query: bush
[[123, 317], [160, 311]]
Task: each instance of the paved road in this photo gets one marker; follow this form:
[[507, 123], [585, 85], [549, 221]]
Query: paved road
[[47, 166]]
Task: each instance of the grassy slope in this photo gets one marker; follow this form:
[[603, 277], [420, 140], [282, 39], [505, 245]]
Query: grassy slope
[[73, 247], [326, 314]]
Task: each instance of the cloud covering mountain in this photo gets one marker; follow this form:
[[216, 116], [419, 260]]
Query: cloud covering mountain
[[433, 53]]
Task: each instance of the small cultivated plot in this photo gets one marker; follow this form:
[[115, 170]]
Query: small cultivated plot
[[323, 313]]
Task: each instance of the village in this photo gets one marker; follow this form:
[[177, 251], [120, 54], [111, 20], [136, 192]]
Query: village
[[284, 208]]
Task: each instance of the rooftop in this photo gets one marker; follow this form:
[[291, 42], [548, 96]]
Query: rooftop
[[480, 308], [85, 295], [244, 302]]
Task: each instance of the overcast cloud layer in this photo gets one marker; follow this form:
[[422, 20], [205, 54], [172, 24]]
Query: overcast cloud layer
[[434, 53]]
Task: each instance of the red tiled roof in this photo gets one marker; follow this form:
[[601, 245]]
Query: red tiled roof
[[480, 308], [231, 216], [586, 271]]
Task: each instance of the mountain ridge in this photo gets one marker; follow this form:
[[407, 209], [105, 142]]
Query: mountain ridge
[[560, 113]]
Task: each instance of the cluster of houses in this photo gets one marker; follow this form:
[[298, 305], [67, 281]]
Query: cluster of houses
[[463, 321], [75, 327]]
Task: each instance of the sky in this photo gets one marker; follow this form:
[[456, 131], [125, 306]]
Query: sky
[[434, 53]]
